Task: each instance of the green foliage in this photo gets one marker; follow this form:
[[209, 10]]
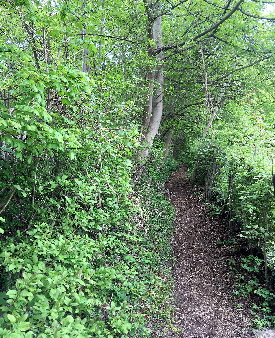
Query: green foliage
[[155, 221], [234, 166], [84, 251], [250, 285], [74, 261]]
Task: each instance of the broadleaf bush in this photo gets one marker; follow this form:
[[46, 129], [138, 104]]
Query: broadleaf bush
[[75, 259]]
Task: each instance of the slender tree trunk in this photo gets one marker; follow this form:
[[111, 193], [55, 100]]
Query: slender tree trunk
[[154, 108], [265, 251], [85, 56], [85, 53], [209, 125], [209, 107], [99, 64], [214, 112], [167, 144], [149, 107], [30, 32]]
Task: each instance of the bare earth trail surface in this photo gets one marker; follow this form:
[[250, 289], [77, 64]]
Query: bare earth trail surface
[[203, 293]]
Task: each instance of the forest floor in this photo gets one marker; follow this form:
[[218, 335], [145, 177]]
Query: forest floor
[[205, 306]]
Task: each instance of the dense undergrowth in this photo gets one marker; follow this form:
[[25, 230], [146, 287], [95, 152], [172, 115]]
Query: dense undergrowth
[[84, 231], [84, 246], [235, 171], [85, 254]]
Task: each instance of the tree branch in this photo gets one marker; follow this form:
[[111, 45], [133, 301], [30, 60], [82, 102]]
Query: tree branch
[[256, 16], [215, 5], [264, 2], [148, 8], [173, 113], [177, 51], [209, 30], [231, 44], [110, 37], [8, 201], [172, 7], [216, 25], [241, 68], [227, 6], [34, 50]]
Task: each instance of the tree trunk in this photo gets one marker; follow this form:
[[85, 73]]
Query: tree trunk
[[85, 56], [155, 100], [168, 144], [209, 125]]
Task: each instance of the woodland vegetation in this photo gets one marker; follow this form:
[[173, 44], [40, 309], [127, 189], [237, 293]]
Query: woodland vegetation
[[99, 102]]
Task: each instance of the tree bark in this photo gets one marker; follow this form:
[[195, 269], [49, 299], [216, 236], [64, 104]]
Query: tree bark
[[85, 56], [167, 145], [154, 108], [209, 125]]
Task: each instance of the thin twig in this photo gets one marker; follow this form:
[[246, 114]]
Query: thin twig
[[8, 201], [110, 37]]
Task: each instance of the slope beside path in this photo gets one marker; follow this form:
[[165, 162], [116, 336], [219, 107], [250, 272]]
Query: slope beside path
[[203, 292]]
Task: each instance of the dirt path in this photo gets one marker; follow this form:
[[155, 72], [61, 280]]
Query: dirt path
[[205, 306]]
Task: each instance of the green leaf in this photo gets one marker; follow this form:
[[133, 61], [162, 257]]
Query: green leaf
[[72, 155], [31, 127], [64, 100], [11, 318], [23, 326], [68, 320], [12, 293]]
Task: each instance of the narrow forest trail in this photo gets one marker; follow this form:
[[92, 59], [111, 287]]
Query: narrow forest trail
[[205, 306]]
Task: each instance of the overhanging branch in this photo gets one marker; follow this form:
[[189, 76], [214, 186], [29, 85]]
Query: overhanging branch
[[240, 68], [197, 37], [111, 37], [256, 16], [216, 25]]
